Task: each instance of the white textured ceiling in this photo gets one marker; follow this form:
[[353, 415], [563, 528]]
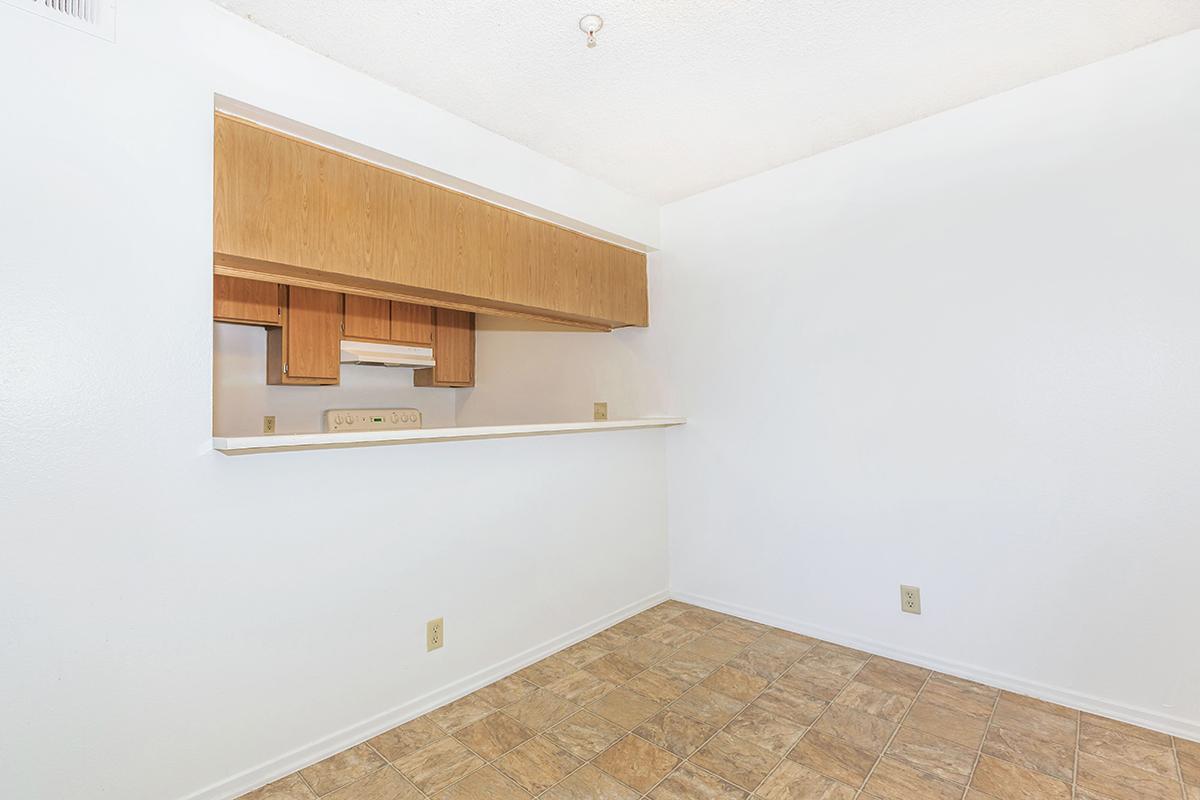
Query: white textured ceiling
[[684, 95]]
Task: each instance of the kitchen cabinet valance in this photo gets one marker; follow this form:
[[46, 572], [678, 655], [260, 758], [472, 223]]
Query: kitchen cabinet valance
[[292, 211]]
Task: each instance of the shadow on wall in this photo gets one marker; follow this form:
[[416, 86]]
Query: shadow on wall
[[514, 324]]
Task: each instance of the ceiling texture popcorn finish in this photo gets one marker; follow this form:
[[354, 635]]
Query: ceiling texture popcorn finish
[[685, 95]]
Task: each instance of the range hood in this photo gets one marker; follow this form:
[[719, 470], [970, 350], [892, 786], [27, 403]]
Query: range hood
[[377, 354]]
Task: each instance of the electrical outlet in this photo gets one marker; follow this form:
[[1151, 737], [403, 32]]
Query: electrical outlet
[[599, 411], [910, 599], [268, 424], [434, 634]]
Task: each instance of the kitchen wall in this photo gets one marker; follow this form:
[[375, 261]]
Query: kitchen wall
[[529, 372], [965, 355], [179, 623], [525, 372], [241, 396]]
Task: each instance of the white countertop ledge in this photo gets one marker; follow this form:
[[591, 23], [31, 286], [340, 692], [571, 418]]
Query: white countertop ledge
[[238, 445]]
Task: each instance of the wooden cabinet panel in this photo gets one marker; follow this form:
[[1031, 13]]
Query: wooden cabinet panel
[[314, 327], [453, 350], [412, 324], [293, 210], [375, 319], [367, 318], [240, 300], [306, 349]]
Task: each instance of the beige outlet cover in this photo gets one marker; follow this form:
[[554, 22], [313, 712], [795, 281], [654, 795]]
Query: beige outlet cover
[[910, 599], [435, 634]]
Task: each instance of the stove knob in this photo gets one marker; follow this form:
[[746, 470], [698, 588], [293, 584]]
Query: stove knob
[[395, 417], [338, 419]]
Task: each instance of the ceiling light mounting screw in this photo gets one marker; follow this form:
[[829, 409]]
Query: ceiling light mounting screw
[[591, 25]]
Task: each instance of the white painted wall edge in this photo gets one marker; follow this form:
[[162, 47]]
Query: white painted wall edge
[[355, 734], [278, 122], [1141, 717]]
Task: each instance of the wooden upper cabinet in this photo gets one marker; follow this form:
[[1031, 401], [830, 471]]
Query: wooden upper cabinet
[[294, 211], [412, 324], [372, 319], [306, 349], [368, 318], [453, 350], [250, 302]]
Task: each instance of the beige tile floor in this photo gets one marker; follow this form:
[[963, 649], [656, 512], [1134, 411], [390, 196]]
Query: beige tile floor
[[681, 703]]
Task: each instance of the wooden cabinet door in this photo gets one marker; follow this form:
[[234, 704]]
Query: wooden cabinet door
[[411, 324], [288, 204], [453, 350], [367, 318], [245, 301], [306, 350]]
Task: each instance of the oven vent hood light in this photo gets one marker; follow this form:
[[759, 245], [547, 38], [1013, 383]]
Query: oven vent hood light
[[376, 354]]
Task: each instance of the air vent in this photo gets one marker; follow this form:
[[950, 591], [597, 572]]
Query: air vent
[[97, 17]]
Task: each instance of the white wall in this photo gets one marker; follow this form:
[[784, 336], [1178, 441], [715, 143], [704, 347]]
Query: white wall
[[964, 354], [170, 616]]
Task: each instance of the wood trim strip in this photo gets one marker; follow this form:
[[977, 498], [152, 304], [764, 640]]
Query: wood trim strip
[[256, 270]]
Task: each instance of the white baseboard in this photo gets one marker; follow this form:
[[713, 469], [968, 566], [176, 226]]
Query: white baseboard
[[302, 757], [1154, 720]]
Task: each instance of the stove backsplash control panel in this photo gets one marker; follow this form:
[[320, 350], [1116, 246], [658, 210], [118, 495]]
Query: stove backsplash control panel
[[372, 419]]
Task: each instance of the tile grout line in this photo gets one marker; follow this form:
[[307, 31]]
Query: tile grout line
[[879, 759], [586, 761], [629, 732], [979, 752], [721, 728], [1077, 752], [1079, 737], [687, 759], [307, 784], [589, 761], [1183, 789], [388, 765], [770, 684], [467, 747], [829, 705], [667, 706]]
